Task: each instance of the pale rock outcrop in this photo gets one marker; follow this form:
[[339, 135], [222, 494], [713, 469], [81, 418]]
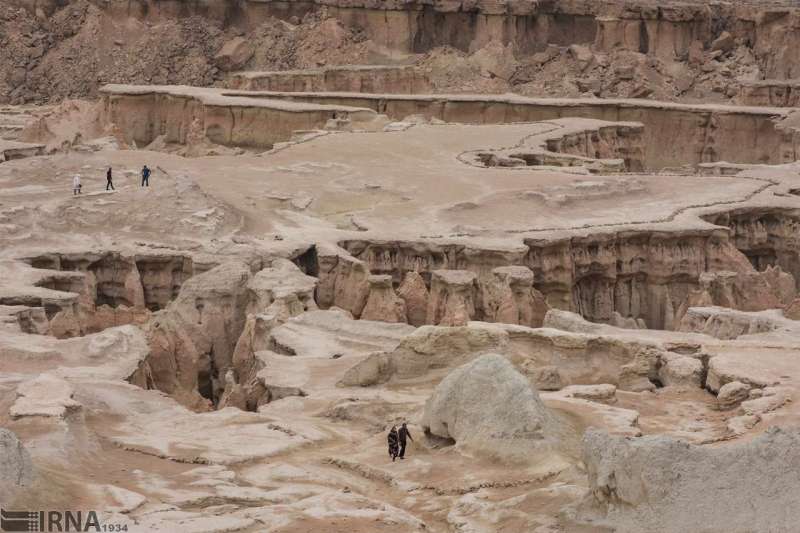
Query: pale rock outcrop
[[554, 358], [44, 396], [383, 304], [373, 370], [681, 370], [550, 358], [279, 378], [765, 400], [757, 368], [637, 375], [732, 394], [452, 298], [490, 409], [509, 297], [276, 294], [16, 468], [415, 295], [599, 393], [284, 284], [725, 323], [426, 348], [569, 321], [658, 483]]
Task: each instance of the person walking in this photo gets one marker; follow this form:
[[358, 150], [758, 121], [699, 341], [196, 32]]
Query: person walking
[[402, 435], [76, 185], [393, 439], [145, 176], [109, 183]]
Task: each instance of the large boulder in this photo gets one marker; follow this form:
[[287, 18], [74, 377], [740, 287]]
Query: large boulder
[[234, 54], [490, 409], [659, 483], [16, 469]]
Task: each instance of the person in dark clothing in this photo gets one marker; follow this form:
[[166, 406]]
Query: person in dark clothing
[[145, 176], [109, 183], [393, 443], [402, 434]]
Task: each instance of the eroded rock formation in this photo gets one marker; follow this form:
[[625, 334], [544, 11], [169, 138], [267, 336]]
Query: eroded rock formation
[[383, 303], [489, 408], [658, 483], [510, 298], [631, 279], [415, 295], [192, 341], [452, 298]]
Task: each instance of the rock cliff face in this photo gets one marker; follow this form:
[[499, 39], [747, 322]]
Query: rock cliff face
[[192, 341], [383, 303], [775, 93], [453, 297], [649, 277], [359, 79], [202, 346], [187, 115], [213, 36], [602, 147], [510, 298], [415, 295], [112, 289], [768, 237], [658, 483]]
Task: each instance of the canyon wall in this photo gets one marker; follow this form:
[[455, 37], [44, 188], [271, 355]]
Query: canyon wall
[[768, 237], [665, 31], [182, 115], [644, 275], [362, 78], [674, 134]]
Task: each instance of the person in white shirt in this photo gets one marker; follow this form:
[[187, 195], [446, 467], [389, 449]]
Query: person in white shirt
[[76, 184]]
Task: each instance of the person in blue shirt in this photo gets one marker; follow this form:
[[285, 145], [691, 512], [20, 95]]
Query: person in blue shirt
[[145, 176]]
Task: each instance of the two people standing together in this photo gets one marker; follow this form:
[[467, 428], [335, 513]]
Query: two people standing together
[[397, 441]]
